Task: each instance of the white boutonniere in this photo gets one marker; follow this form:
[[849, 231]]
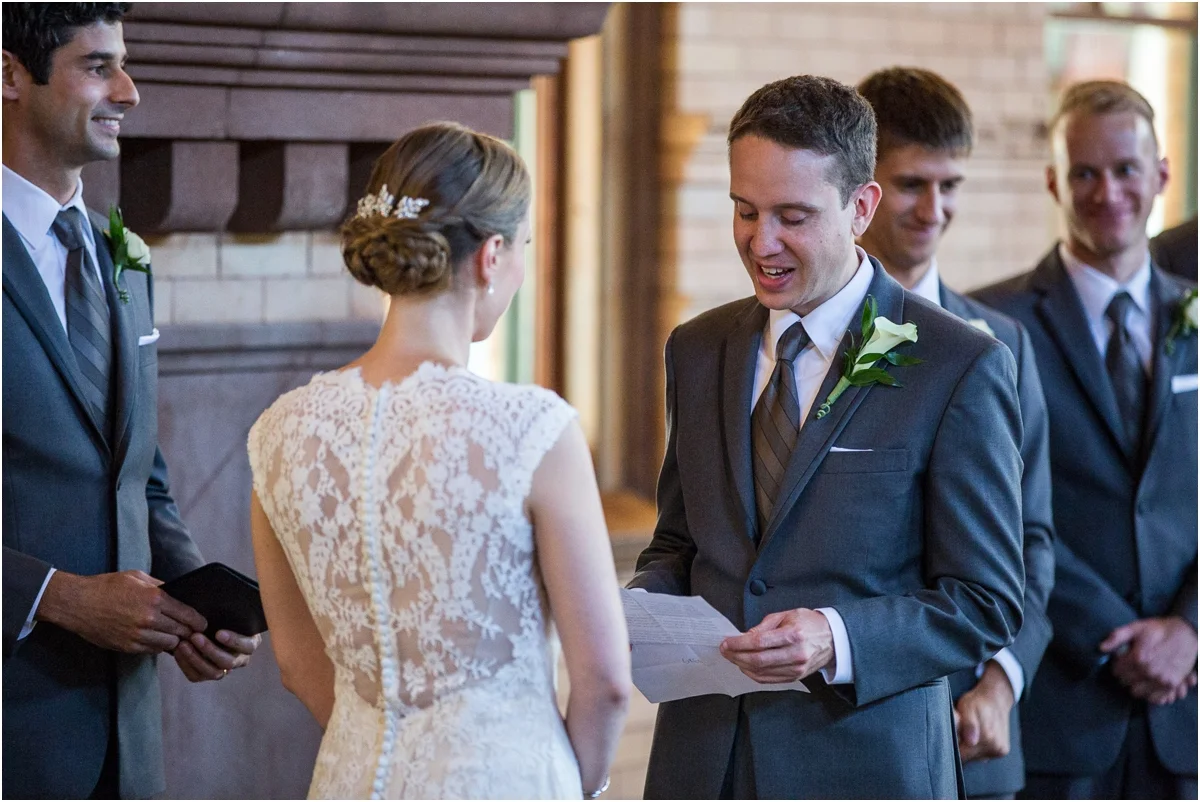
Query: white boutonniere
[[879, 337], [982, 325], [1184, 322], [129, 251]]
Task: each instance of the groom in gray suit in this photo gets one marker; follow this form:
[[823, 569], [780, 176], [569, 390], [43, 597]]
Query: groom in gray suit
[[90, 527], [869, 539], [925, 137]]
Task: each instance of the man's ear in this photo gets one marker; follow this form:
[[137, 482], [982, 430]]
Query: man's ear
[[865, 201], [12, 76], [1163, 168], [1052, 182]]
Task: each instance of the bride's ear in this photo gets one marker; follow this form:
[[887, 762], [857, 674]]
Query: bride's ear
[[487, 260]]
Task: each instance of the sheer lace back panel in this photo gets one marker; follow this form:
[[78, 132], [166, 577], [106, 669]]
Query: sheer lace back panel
[[402, 513]]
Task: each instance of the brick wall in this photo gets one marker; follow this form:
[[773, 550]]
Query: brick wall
[[718, 53], [225, 278]]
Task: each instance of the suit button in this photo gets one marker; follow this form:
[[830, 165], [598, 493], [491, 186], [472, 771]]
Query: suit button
[[758, 587]]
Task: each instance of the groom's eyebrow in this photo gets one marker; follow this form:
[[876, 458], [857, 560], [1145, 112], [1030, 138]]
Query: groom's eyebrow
[[107, 56], [804, 207]]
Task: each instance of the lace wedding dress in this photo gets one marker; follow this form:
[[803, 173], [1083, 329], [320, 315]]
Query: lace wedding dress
[[401, 510]]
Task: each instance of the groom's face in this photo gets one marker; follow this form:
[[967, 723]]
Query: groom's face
[[791, 228], [76, 117]]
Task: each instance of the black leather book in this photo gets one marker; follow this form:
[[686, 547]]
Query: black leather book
[[226, 599]]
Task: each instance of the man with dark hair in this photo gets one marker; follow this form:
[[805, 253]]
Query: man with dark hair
[[1174, 250], [1111, 713], [925, 135], [858, 511], [90, 528]]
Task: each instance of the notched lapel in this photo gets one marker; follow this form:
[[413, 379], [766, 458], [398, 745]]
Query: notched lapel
[[1062, 314], [1166, 300], [28, 292], [125, 347], [737, 387], [817, 436]]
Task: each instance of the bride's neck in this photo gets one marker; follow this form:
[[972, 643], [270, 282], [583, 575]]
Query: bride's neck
[[434, 328]]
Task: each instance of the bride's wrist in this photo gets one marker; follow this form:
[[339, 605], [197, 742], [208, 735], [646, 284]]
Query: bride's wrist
[[598, 791]]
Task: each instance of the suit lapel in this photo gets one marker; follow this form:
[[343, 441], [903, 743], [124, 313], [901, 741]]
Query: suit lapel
[[1063, 316], [816, 436], [1165, 298], [25, 287], [737, 384], [125, 348]]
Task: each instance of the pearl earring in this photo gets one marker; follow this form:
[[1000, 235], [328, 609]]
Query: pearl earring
[[491, 290]]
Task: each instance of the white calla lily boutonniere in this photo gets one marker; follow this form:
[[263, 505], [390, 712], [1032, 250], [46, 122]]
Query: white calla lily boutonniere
[[880, 338], [129, 251], [1184, 322], [982, 325]]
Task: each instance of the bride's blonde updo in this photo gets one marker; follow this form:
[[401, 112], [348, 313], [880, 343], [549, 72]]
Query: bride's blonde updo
[[476, 187]]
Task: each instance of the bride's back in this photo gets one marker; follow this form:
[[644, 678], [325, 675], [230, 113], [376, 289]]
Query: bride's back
[[402, 510]]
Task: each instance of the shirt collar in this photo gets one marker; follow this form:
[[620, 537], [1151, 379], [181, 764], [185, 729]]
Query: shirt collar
[[32, 210], [930, 285], [827, 324], [1096, 289]]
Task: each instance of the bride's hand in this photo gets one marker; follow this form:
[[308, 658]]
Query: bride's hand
[[200, 659]]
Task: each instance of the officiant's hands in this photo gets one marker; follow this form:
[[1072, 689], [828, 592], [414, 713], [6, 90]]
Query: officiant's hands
[[201, 660], [785, 646]]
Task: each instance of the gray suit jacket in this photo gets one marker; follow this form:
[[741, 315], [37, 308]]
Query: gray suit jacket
[[1125, 525], [73, 501], [1175, 251], [1006, 775], [916, 543]]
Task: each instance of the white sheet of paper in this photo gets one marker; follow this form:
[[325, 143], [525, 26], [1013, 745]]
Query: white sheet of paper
[[675, 655]]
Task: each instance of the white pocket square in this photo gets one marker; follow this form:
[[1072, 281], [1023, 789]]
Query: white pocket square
[[837, 450], [146, 339], [1184, 384]]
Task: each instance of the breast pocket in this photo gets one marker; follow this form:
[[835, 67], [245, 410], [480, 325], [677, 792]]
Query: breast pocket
[[880, 461]]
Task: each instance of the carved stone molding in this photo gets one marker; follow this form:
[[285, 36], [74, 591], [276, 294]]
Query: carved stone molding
[[260, 117]]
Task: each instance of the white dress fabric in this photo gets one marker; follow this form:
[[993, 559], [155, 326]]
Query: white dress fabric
[[402, 512]]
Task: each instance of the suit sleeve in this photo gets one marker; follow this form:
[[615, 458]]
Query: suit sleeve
[[971, 605], [23, 579], [172, 550], [1037, 515], [666, 564], [1184, 605]]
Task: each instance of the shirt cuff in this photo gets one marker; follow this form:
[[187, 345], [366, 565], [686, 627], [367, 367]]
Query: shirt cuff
[[1012, 669], [841, 649], [29, 622]]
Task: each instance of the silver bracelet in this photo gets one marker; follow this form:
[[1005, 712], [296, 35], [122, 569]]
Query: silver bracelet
[[598, 791]]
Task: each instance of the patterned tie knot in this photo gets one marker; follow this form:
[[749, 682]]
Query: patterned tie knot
[[1118, 308], [791, 343], [67, 228]]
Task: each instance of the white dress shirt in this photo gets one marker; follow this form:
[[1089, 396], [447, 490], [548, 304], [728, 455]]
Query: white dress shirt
[[930, 288], [825, 325], [32, 213], [1096, 291]]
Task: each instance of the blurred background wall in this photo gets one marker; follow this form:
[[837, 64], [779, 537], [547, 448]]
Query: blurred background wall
[[257, 129]]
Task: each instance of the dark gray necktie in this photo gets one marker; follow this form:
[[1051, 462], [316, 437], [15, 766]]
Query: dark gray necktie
[[775, 423], [1125, 369], [88, 321]]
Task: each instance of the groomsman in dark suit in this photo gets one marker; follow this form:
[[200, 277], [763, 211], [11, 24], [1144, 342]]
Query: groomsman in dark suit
[[925, 137], [90, 527], [1112, 711]]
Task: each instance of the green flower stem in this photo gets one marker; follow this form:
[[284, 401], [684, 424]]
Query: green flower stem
[[838, 389]]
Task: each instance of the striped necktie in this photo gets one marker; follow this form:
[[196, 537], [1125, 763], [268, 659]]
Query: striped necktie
[[88, 319], [776, 423]]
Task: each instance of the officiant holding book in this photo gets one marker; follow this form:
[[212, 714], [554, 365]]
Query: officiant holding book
[[90, 528]]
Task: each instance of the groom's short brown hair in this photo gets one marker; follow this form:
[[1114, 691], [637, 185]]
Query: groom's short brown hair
[[809, 112]]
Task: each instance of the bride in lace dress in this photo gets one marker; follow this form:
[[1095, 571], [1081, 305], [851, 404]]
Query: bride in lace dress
[[420, 532]]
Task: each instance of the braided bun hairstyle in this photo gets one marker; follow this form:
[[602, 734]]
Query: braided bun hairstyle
[[476, 185]]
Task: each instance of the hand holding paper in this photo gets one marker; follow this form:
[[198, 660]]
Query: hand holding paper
[[676, 644]]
